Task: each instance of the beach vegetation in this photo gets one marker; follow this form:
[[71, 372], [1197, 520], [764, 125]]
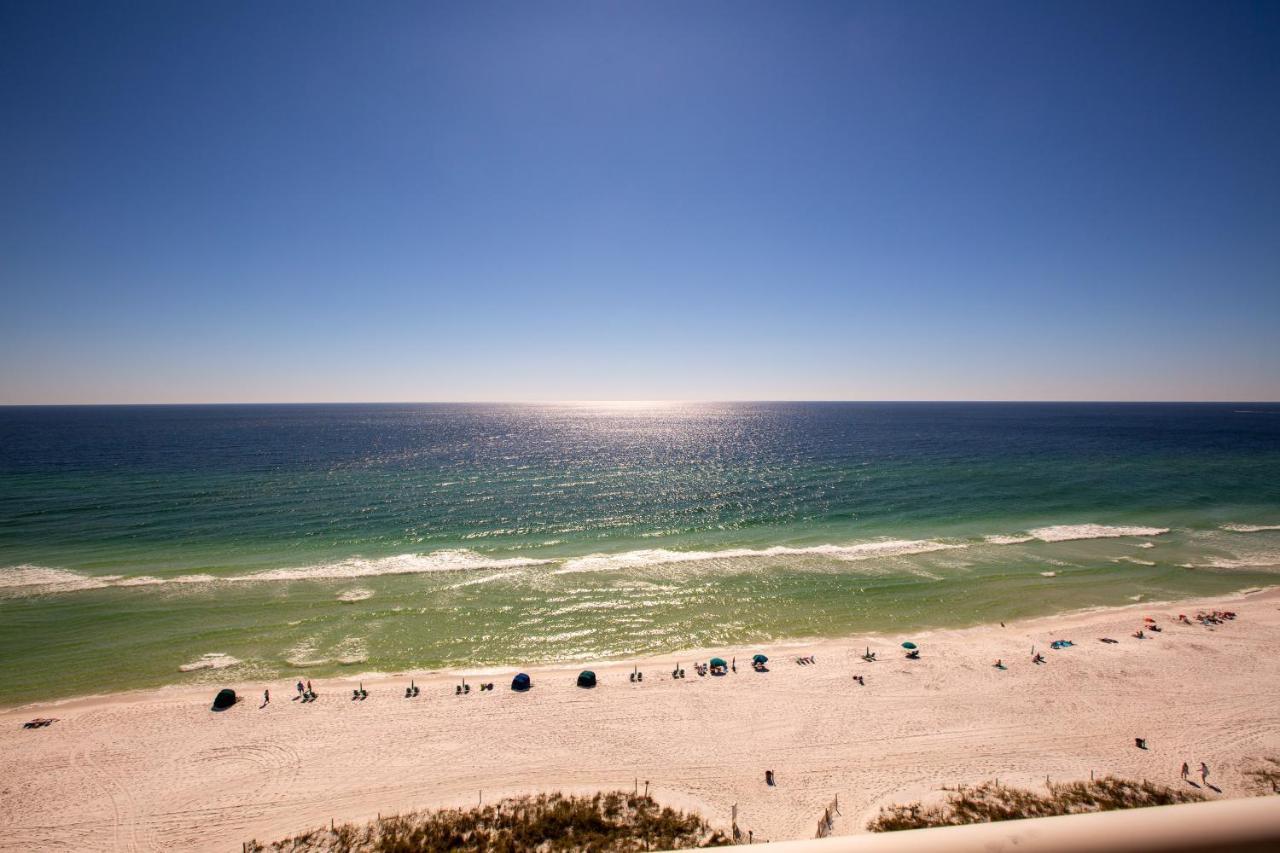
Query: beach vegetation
[[607, 821], [990, 802], [1265, 776]]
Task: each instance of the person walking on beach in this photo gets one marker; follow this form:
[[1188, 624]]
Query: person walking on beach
[[266, 697], [1204, 773], [299, 687], [1186, 769]]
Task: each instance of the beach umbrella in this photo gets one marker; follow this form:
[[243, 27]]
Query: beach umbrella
[[521, 682], [759, 659], [586, 678], [718, 662], [908, 645]]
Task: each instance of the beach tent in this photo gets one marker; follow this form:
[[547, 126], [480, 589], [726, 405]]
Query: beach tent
[[759, 659], [586, 678], [718, 662], [521, 682], [225, 699]]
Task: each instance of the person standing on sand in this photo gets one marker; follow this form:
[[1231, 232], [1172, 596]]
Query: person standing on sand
[[299, 687], [1204, 773], [1185, 770], [266, 697]]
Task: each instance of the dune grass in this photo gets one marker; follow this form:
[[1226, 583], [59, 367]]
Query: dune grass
[[611, 821], [1265, 775], [990, 802]]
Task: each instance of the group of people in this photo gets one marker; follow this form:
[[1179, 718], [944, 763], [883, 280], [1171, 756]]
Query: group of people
[[1213, 617], [1204, 772]]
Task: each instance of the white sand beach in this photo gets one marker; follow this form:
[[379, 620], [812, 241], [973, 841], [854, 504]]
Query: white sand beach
[[156, 770]]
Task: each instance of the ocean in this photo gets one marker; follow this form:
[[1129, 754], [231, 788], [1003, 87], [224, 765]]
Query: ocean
[[150, 545]]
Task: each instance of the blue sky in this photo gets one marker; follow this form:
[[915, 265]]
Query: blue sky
[[490, 201]]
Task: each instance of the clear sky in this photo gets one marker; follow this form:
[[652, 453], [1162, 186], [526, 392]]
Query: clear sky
[[317, 201]]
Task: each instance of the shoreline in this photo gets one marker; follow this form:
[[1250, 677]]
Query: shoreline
[[603, 664], [149, 769], [606, 664]]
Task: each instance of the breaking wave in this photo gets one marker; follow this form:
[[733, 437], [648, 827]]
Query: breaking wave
[[27, 580], [1007, 540], [213, 660], [36, 580], [456, 560], [661, 556], [1250, 528], [1072, 532]]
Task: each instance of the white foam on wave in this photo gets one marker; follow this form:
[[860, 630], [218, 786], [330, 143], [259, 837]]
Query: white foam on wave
[[486, 579], [1261, 561], [455, 560], [212, 660], [1133, 560], [149, 580], [1071, 532], [353, 595], [662, 556], [1048, 574], [351, 651], [304, 654], [36, 579], [1250, 528], [1145, 545], [999, 539]]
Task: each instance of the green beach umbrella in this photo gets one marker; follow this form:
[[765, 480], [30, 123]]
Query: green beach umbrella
[[908, 645], [718, 662], [759, 659]]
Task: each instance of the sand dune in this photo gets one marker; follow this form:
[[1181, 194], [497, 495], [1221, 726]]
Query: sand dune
[[158, 770]]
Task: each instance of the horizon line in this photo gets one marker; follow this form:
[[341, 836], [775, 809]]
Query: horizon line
[[619, 401]]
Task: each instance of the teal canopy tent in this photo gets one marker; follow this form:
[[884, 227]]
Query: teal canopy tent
[[586, 678], [718, 662]]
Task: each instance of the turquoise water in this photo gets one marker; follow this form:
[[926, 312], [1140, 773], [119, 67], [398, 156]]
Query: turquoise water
[[149, 545]]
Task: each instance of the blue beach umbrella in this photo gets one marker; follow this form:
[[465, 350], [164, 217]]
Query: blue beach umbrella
[[759, 659], [908, 645]]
